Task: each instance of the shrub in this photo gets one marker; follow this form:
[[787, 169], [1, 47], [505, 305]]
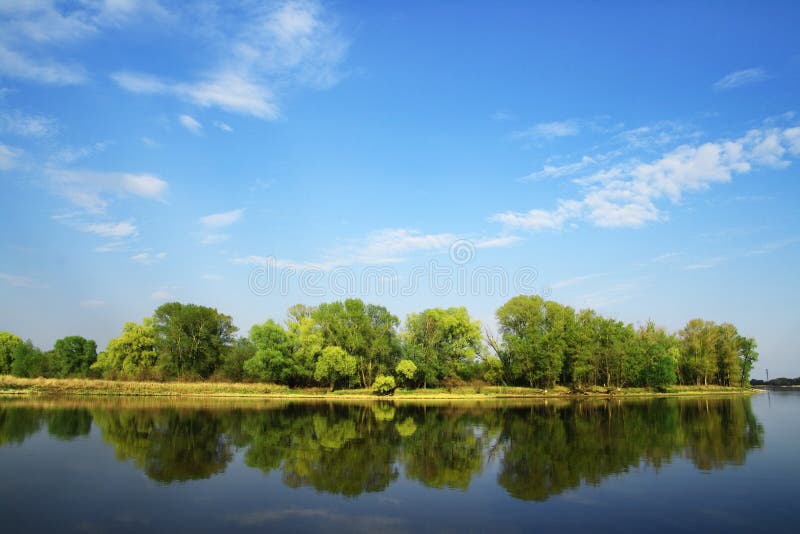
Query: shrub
[[384, 385], [406, 370]]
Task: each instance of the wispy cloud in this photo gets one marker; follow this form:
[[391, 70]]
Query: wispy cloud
[[739, 78], [92, 304], [32, 35], [576, 280], [219, 220], [225, 127], [213, 239], [90, 190], [114, 230], [290, 43], [501, 116], [25, 125], [191, 124], [15, 280], [773, 246], [161, 295], [702, 265], [148, 258], [9, 157], [548, 130], [626, 194]]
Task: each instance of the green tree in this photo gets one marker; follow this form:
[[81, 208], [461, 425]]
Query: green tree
[[273, 360], [191, 339], [384, 385], [29, 361], [366, 331], [748, 356], [233, 360], [699, 352], [8, 344], [132, 354], [406, 371], [334, 366], [534, 339], [439, 340], [73, 356]]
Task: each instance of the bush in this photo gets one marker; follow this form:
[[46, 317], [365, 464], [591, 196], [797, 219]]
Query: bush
[[384, 385], [406, 370]]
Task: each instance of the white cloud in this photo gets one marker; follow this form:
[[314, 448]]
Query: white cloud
[[537, 219], [501, 116], [92, 303], [211, 277], [71, 155], [161, 295], [497, 242], [90, 189], [148, 258], [223, 126], [626, 194], [709, 263], [114, 230], [33, 32], [558, 171], [577, 280], [191, 124], [739, 78], [24, 125], [219, 220], [9, 157], [286, 44], [213, 239], [773, 246], [549, 130], [20, 281], [45, 71]]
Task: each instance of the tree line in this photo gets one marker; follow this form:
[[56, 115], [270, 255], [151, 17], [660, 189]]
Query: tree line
[[353, 344]]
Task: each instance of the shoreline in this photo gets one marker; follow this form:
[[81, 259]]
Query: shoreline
[[11, 387]]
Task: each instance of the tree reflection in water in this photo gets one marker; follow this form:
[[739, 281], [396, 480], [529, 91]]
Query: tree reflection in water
[[541, 448]]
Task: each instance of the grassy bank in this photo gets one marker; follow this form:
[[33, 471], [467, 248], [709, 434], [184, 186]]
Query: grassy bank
[[75, 386]]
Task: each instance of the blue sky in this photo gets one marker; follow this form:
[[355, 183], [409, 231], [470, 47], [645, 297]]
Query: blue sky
[[639, 159]]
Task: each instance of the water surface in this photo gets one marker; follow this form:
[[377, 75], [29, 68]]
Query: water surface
[[128, 465]]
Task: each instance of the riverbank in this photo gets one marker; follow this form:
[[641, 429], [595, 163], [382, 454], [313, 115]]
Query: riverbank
[[13, 386]]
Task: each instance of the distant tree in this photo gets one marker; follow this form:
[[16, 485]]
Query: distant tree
[[334, 366], [191, 339], [365, 331], [73, 356], [29, 361], [534, 339], [699, 352], [272, 361], [233, 360], [748, 356], [132, 354], [439, 339], [8, 344]]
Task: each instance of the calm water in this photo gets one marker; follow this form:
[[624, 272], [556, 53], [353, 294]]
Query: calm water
[[677, 464]]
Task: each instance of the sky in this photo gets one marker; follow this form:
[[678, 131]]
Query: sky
[[640, 159]]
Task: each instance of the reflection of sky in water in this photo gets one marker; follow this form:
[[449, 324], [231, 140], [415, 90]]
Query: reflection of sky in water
[[672, 464]]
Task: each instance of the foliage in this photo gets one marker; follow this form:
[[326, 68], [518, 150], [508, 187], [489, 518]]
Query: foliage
[[8, 344], [439, 339], [366, 331], [406, 371], [191, 339], [384, 385], [73, 356], [131, 354], [334, 366], [29, 361]]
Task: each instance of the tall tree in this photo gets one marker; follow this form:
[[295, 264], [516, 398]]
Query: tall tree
[[132, 354], [191, 339], [73, 356], [366, 331], [8, 344], [439, 339]]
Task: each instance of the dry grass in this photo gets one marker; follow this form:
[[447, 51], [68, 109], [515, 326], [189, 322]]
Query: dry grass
[[10, 385]]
